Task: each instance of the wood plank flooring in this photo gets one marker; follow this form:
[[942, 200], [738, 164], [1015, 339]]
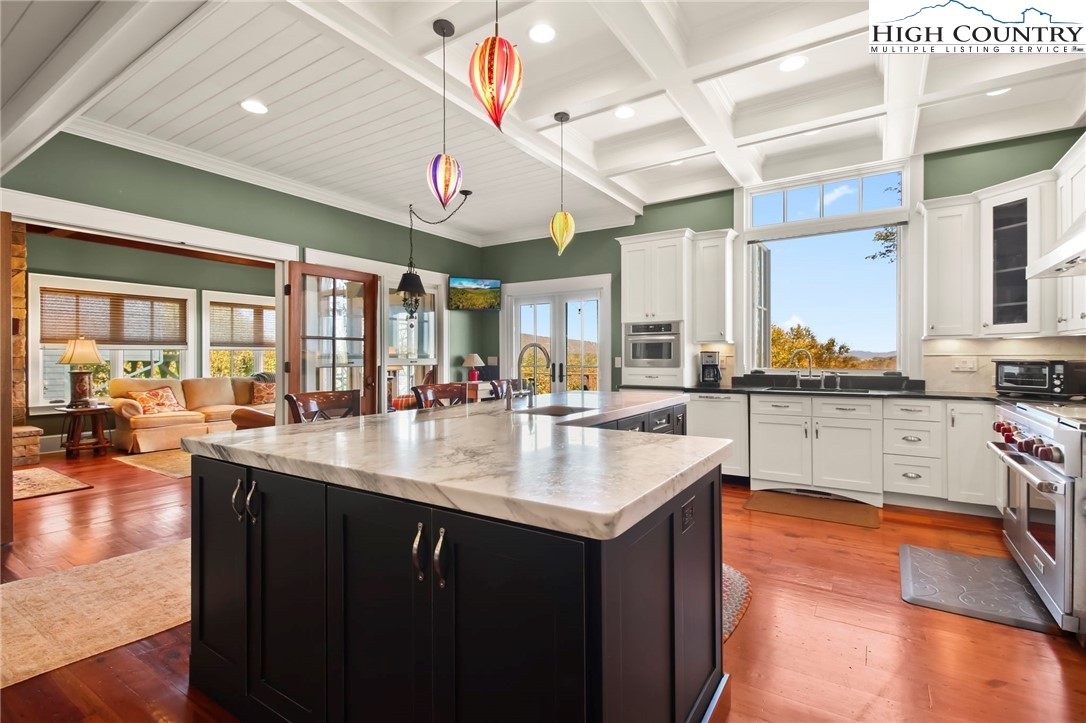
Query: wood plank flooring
[[826, 636]]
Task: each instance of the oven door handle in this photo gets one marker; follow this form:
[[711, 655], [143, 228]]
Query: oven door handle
[[1044, 486], [652, 337]]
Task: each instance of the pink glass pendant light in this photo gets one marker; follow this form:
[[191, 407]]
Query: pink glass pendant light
[[444, 175], [495, 73]]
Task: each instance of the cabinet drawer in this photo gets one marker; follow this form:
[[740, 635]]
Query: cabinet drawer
[[848, 407], [662, 421], [653, 377], [633, 424], [913, 475], [914, 409], [780, 404], [916, 439]]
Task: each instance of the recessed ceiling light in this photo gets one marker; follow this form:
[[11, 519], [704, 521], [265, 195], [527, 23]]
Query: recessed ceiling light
[[541, 33], [624, 112], [254, 106], [676, 163], [1001, 91], [793, 62], [815, 132]]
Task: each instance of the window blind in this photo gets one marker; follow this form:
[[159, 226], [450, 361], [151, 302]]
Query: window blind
[[245, 326], [113, 319]]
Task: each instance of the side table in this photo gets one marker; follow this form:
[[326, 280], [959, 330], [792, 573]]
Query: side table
[[74, 443]]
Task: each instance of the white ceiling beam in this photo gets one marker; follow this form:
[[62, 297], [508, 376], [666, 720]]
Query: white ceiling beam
[[904, 86], [651, 35], [111, 37], [384, 52]]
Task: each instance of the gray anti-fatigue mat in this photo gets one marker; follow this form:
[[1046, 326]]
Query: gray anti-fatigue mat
[[989, 588]]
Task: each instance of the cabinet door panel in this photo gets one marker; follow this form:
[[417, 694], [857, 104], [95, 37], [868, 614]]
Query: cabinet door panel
[[724, 416], [509, 630], [378, 609], [218, 581], [636, 280], [667, 278], [973, 473], [287, 612], [1010, 237], [712, 274], [780, 448], [950, 304], [848, 454]]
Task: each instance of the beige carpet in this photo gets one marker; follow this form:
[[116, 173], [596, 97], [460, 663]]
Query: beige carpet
[[57, 619], [175, 463], [42, 481], [814, 508]]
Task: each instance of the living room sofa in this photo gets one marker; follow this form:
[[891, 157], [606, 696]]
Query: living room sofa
[[208, 403]]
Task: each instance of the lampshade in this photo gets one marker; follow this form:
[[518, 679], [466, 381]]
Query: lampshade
[[81, 351], [562, 230], [473, 360], [495, 74], [411, 285], [444, 176]]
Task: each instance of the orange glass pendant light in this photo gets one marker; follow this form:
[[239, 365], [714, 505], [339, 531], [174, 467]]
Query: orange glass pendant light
[[443, 174], [495, 74], [562, 225]]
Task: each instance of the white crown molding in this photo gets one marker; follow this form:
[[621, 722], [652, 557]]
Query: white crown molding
[[122, 138]]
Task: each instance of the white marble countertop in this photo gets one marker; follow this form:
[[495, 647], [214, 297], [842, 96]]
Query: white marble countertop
[[555, 473]]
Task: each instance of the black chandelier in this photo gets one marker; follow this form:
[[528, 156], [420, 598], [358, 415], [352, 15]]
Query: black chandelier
[[411, 289]]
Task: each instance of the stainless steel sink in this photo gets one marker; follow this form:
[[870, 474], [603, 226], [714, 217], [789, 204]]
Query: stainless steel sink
[[816, 389], [554, 410]]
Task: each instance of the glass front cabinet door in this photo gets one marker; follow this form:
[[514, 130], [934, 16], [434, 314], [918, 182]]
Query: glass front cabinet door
[[1010, 237]]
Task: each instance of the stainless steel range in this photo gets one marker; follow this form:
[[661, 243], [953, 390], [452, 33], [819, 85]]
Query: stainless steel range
[[1044, 510]]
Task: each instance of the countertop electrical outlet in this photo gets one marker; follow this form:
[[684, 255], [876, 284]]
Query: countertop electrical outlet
[[618, 362], [964, 364]]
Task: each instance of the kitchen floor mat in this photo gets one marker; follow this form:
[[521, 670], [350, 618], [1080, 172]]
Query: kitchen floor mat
[[988, 588]]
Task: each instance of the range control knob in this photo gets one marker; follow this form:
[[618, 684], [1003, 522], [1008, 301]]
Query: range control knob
[[1027, 445], [1044, 452], [997, 427]]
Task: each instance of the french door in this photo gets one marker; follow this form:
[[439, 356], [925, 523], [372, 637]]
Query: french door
[[568, 327], [333, 331]]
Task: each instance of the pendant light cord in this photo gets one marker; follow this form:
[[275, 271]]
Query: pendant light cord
[[495, 18], [443, 94], [562, 164]]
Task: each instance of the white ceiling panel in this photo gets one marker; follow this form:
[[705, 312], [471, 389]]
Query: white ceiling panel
[[30, 32]]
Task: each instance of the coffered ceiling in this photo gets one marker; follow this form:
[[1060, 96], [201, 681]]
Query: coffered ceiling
[[354, 97]]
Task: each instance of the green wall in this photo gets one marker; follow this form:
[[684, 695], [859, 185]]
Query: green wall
[[965, 170], [597, 252]]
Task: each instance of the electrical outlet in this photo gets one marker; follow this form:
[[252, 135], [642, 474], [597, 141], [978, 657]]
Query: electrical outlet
[[492, 361], [618, 362], [964, 364]]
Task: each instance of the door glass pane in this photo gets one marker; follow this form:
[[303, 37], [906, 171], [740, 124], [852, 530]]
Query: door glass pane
[[320, 305], [582, 345], [350, 364], [535, 327], [1010, 253], [352, 309], [317, 368]]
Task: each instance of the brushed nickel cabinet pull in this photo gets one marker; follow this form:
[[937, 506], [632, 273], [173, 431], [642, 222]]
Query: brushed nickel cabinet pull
[[437, 558], [779, 406], [248, 503], [910, 475], [911, 409], [234, 501], [805, 431], [415, 554], [911, 438], [845, 409]]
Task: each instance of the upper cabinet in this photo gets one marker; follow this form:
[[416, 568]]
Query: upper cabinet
[[1010, 237], [712, 286], [655, 269], [1070, 217], [950, 251]]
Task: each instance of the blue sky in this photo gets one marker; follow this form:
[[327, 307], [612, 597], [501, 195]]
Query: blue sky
[[825, 282]]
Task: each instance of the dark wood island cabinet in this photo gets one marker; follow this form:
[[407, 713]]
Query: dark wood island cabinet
[[314, 601]]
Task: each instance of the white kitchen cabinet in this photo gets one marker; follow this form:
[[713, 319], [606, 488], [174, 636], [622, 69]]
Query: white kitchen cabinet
[[1071, 305], [652, 377], [780, 448], [713, 286], [847, 454], [913, 475], [723, 416], [972, 471], [1070, 207], [950, 251], [1011, 237], [915, 438], [655, 271]]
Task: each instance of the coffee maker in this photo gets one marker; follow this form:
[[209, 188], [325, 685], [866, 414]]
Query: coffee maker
[[710, 367]]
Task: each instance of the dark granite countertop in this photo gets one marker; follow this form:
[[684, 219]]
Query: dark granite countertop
[[879, 393]]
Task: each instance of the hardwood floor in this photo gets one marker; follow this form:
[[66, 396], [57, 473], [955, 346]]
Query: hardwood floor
[[826, 636]]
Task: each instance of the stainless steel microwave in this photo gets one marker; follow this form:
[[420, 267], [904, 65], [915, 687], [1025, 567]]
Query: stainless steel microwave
[[656, 345], [1041, 377]]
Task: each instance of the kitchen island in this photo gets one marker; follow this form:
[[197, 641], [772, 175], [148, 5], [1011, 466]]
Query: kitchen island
[[461, 564]]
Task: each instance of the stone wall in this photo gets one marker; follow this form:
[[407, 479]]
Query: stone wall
[[18, 330]]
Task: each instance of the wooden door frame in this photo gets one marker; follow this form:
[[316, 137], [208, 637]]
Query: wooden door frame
[[6, 402], [296, 298]]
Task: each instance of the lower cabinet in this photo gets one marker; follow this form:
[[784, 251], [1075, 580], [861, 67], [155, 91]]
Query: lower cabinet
[[669, 420], [847, 454], [780, 448], [972, 471], [723, 416], [258, 612]]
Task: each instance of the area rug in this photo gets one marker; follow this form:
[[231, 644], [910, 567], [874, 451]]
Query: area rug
[[736, 598], [814, 508], [988, 588], [42, 481], [175, 463], [57, 619]]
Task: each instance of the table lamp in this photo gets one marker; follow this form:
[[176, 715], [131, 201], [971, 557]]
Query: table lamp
[[471, 361], [79, 352]]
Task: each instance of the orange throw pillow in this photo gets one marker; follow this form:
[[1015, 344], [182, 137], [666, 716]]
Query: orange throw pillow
[[263, 392], [156, 401]]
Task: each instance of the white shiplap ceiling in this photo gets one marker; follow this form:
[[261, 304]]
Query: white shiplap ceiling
[[354, 91]]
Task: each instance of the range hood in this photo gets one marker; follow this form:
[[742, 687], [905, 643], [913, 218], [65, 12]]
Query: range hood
[[1067, 259]]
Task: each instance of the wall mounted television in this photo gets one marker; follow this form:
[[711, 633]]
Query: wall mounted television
[[474, 294]]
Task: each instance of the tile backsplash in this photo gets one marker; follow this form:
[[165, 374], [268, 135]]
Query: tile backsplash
[[727, 358], [940, 356]]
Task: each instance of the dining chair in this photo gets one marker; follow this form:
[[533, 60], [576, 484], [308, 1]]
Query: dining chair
[[501, 387], [314, 406], [440, 395]]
